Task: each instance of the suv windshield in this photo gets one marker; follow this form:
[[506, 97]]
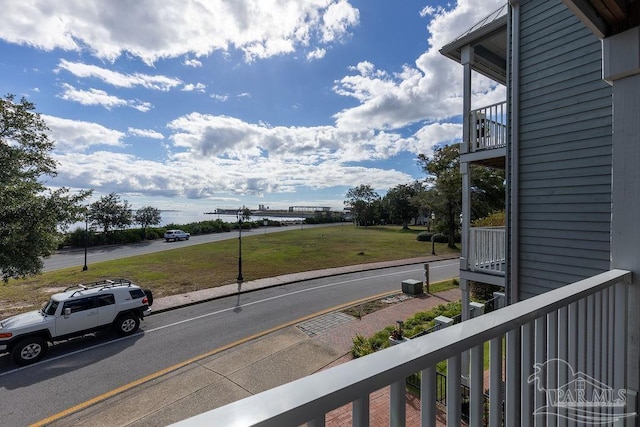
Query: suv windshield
[[50, 307]]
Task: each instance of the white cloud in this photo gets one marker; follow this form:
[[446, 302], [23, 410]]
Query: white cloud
[[92, 97], [146, 133], [338, 18], [428, 91], [114, 78], [208, 178], [198, 87], [152, 30], [192, 63], [214, 155], [78, 136], [316, 54], [100, 98], [219, 97]]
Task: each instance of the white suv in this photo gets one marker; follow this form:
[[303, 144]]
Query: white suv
[[80, 309], [176, 235]]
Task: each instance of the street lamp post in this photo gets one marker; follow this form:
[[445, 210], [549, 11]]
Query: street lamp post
[[239, 216], [86, 233]]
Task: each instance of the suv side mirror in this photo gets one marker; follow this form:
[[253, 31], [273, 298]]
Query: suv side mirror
[[67, 312]]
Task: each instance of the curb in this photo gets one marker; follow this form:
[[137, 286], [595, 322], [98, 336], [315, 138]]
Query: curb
[[315, 274]]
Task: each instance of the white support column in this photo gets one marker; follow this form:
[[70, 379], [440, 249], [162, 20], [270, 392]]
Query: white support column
[[621, 68], [466, 59]]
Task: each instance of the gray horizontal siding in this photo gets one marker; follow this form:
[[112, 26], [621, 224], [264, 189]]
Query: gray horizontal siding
[[565, 151]]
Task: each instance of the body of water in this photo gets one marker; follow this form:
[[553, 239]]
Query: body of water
[[181, 217], [185, 217]]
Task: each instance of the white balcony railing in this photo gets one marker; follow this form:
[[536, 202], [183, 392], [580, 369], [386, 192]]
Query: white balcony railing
[[487, 250], [488, 127], [582, 324]]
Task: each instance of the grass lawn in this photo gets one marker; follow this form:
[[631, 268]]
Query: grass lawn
[[209, 265]]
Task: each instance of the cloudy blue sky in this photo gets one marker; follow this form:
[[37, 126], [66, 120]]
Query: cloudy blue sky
[[197, 105]]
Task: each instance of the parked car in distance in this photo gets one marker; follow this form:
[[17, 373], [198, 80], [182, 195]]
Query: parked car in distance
[[176, 235], [79, 310]]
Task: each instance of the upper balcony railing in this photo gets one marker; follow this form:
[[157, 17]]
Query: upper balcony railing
[[487, 250], [567, 342], [488, 127]]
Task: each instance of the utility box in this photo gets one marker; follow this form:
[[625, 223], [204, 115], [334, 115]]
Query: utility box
[[476, 309], [412, 287], [443, 322]]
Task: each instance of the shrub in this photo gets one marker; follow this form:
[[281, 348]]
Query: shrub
[[417, 323], [361, 346], [423, 236], [496, 219], [440, 238], [483, 291]]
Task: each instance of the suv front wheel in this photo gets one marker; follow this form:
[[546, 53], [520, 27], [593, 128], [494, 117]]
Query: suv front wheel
[[29, 350], [127, 324]]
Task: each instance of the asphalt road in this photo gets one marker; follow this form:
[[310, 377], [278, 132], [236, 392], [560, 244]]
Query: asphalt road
[[80, 369], [75, 257]]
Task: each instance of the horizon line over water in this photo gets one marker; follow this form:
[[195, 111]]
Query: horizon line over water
[[187, 217], [177, 217]]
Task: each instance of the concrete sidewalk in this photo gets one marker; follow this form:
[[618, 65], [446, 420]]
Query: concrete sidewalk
[[256, 365]]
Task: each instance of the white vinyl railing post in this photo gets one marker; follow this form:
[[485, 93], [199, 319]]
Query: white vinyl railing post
[[428, 396], [541, 341], [620, 338], [454, 414], [495, 382], [397, 404], [528, 334], [360, 408], [318, 422], [552, 353], [563, 352], [476, 382]]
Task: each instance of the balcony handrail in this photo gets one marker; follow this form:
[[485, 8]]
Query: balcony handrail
[[487, 249], [310, 398], [488, 127]]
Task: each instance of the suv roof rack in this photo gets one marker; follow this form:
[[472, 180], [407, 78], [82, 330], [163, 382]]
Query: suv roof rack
[[102, 284]]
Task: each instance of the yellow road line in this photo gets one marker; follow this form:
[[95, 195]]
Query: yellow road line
[[175, 367]]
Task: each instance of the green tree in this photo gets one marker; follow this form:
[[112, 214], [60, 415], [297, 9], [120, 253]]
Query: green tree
[[364, 203], [488, 192], [147, 216], [443, 173], [445, 194], [110, 213], [402, 203], [30, 213], [245, 213]]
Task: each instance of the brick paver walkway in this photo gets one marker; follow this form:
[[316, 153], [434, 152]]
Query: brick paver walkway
[[341, 338]]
